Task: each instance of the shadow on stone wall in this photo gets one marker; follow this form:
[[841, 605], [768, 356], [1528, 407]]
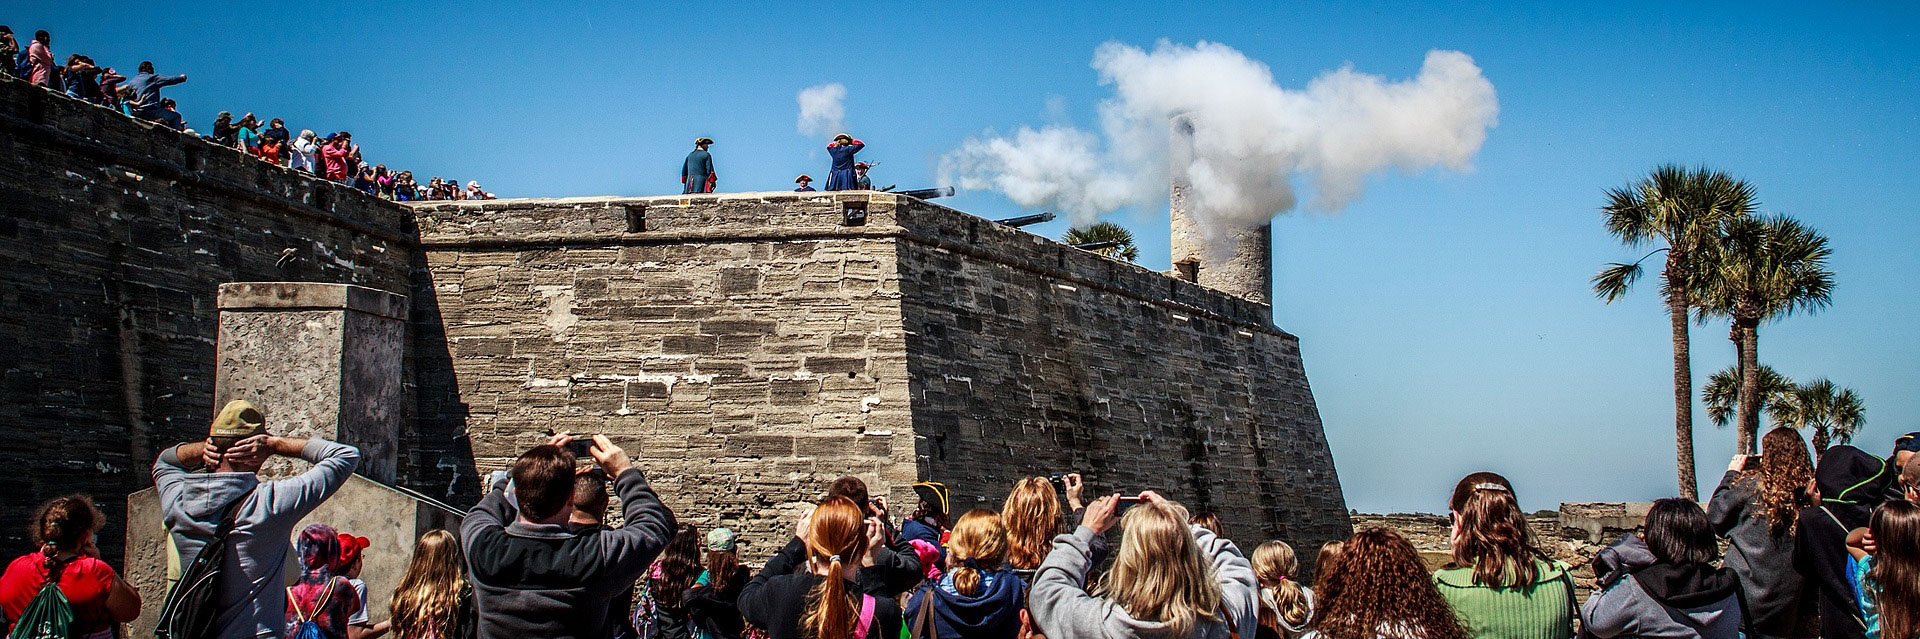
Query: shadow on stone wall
[[439, 454]]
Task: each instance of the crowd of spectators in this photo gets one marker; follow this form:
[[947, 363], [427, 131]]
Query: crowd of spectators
[[335, 156], [1830, 550]]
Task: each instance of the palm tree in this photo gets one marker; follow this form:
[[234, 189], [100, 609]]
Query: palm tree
[[1683, 209], [1831, 411], [1763, 268], [1721, 394], [1105, 232]]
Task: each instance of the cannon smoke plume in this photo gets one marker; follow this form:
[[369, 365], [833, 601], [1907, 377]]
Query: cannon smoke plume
[[822, 109], [1251, 137]]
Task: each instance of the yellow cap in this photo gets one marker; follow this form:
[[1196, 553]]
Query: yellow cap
[[240, 418]]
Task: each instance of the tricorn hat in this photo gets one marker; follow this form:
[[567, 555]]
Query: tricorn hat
[[861, 165], [934, 493], [803, 178], [700, 141], [240, 418], [843, 136]]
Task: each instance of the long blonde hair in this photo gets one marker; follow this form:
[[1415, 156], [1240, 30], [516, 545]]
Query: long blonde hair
[[978, 544], [427, 602], [836, 537], [1032, 516], [1281, 596], [1159, 574]]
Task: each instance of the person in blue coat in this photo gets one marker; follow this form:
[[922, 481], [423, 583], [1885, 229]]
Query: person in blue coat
[[979, 596], [696, 174], [840, 176], [805, 182]]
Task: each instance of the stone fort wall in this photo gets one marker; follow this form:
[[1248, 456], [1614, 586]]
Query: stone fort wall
[[115, 236], [755, 346]]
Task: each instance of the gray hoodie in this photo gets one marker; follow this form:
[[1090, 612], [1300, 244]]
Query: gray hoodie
[[1062, 607], [1775, 596], [252, 601]]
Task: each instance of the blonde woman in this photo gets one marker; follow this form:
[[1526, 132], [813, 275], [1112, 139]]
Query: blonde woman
[[1032, 516], [980, 595], [434, 600], [1170, 579], [1285, 605]]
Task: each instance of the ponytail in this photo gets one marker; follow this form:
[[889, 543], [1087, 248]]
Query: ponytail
[[836, 535], [979, 543], [64, 523], [1284, 607]]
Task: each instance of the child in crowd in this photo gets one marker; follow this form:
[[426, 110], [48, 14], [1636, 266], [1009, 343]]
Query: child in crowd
[[1884, 568], [352, 553], [679, 567], [433, 600], [321, 597], [714, 600], [1499, 583], [64, 529], [1285, 605], [980, 595]]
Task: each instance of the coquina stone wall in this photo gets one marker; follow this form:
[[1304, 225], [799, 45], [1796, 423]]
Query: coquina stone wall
[[751, 347], [115, 236]]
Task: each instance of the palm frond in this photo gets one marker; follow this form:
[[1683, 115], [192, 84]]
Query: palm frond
[[1613, 282]]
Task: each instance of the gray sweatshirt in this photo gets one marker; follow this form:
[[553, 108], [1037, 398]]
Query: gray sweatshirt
[[252, 601], [1764, 561], [1064, 609], [1627, 610]]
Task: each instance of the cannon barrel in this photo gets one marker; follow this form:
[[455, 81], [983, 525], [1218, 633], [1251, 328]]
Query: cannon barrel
[[1016, 222], [928, 194], [1095, 246]]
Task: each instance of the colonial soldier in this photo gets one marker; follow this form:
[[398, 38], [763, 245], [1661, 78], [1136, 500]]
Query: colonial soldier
[[860, 180], [696, 174], [805, 182], [840, 177]]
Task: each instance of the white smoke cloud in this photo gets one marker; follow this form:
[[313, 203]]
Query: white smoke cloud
[[1252, 138], [823, 111]]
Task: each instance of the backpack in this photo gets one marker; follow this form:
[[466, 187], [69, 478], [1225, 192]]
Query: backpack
[[49, 615], [193, 605], [307, 628]]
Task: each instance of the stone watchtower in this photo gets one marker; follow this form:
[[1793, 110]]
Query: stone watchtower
[[1234, 261]]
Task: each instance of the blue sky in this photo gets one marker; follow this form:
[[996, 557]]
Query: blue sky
[[1445, 317]]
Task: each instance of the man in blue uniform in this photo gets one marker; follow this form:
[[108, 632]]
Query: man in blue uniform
[[805, 182], [840, 177], [696, 174]]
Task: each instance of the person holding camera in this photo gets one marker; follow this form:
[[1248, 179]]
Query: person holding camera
[[251, 600], [1756, 508], [533, 574]]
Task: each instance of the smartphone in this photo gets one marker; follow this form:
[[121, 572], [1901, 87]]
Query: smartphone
[[581, 449], [1124, 503]]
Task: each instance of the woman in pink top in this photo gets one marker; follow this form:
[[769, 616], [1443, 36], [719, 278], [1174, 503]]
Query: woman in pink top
[[333, 156], [40, 55]]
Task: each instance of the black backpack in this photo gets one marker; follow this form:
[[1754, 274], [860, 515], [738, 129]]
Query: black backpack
[[193, 605]]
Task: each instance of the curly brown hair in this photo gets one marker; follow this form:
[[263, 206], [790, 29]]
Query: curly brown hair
[[1781, 479], [1377, 586]]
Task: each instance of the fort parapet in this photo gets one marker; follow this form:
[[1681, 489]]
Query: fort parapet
[[749, 347]]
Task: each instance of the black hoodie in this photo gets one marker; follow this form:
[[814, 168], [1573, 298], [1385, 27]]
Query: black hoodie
[[1851, 482]]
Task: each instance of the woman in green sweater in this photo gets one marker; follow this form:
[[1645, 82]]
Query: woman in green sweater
[[1500, 585]]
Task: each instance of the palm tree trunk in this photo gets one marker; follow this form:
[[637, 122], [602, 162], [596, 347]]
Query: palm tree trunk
[[1820, 440], [1749, 383], [1743, 440], [1682, 394]]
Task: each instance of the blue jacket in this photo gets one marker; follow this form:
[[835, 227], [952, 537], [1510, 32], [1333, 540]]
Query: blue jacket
[[146, 87], [993, 613]]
